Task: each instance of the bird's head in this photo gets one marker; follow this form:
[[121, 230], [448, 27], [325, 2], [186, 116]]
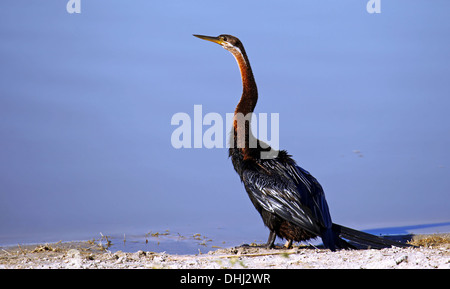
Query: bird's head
[[229, 42]]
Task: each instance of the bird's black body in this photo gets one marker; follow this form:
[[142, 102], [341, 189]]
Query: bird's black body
[[285, 196], [289, 199]]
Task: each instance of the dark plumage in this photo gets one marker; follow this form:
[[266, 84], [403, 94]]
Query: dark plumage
[[289, 199]]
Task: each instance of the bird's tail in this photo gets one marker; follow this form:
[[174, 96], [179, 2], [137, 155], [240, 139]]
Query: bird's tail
[[364, 240]]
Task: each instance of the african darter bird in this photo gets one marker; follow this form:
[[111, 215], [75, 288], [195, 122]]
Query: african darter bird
[[289, 199]]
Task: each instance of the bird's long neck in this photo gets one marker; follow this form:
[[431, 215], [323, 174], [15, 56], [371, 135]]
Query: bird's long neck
[[250, 92], [242, 136]]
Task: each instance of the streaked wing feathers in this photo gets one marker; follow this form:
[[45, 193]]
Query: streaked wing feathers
[[289, 192]]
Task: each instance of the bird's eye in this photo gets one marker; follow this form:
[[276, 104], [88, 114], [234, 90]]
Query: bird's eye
[[224, 38]]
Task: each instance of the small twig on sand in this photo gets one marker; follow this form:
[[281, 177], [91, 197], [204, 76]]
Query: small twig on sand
[[21, 250], [290, 252]]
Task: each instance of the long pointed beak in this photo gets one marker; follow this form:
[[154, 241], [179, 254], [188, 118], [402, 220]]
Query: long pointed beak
[[210, 38]]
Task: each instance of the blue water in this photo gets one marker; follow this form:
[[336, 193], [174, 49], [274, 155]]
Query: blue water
[[176, 243], [86, 102]]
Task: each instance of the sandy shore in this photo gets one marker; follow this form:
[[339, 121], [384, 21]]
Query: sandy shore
[[429, 254]]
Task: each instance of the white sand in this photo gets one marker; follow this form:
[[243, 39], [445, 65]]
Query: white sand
[[84, 255]]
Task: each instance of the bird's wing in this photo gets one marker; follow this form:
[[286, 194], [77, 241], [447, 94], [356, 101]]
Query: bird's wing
[[312, 194], [289, 192]]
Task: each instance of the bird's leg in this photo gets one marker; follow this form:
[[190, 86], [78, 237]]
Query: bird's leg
[[288, 244], [271, 240], [269, 245]]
